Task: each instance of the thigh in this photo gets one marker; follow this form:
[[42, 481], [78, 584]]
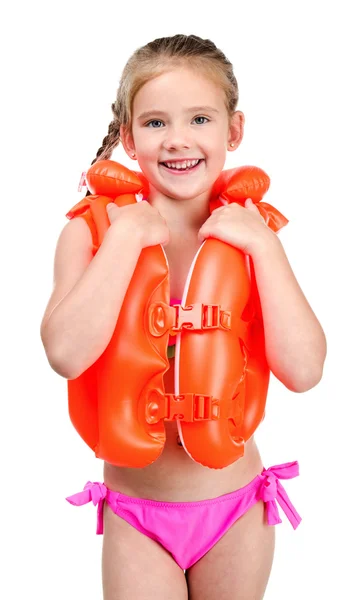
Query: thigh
[[239, 565], [135, 567]]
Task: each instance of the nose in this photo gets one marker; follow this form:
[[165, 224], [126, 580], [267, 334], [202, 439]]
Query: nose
[[177, 137]]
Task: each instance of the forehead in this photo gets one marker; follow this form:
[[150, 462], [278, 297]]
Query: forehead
[[176, 91]]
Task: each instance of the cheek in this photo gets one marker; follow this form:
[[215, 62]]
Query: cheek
[[149, 151], [216, 146], [144, 142], [218, 154]]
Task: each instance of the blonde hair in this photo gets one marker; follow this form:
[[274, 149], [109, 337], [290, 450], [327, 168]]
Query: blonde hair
[[154, 59]]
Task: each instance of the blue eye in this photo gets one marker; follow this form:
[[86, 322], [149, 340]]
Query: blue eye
[[201, 118], [154, 121]]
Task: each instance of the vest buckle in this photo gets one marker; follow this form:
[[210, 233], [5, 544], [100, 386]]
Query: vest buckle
[[191, 407], [200, 316]]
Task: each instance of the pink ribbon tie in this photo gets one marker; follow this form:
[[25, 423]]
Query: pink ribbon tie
[[271, 490], [93, 492]]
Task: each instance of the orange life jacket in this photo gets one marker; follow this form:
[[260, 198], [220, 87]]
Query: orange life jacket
[[119, 405]]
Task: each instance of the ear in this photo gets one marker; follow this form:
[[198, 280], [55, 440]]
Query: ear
[[236, 130], [127, 141]]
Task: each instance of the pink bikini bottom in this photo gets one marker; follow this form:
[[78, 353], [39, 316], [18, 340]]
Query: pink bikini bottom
[[189, 529]]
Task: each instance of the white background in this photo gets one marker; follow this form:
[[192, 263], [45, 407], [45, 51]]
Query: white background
[[62, 64]]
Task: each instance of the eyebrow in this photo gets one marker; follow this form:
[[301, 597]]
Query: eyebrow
[[149, 113]]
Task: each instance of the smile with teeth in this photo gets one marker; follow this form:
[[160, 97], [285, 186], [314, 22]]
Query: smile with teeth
[[182, 165]]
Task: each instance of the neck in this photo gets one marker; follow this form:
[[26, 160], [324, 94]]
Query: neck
[[182, 214]]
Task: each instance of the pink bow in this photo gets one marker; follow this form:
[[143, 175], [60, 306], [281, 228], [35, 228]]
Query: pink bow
[[95, 492], [272, 490]]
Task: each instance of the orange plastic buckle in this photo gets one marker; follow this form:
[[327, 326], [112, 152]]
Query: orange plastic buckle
[[191, 407], [200, 316]]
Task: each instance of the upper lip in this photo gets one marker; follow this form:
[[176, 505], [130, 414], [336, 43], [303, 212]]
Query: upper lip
[[180, 159]]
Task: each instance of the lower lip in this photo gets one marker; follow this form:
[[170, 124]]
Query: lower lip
[[182, 171]]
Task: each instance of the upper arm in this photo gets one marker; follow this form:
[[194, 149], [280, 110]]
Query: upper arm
[[72, 256]]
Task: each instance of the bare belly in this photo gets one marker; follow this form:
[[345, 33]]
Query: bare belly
[[175, 477]]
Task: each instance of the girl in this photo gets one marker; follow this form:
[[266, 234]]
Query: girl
[[176, 529]]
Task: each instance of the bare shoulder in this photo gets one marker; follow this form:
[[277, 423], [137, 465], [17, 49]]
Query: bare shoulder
[[72, 256]]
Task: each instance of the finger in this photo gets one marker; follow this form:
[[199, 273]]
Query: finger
[[253, 207], [201, 237]]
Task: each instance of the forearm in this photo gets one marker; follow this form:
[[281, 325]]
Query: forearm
[[295, 343], [80, 328]]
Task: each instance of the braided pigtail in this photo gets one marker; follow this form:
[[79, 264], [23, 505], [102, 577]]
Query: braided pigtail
[[110, 141]]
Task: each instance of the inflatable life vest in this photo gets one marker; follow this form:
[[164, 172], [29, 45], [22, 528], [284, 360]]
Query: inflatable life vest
[[119, 405]]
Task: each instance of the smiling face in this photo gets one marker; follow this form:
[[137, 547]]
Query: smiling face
[[178, 116]]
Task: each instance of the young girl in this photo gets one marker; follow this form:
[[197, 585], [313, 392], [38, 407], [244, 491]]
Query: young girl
[[176, 529]]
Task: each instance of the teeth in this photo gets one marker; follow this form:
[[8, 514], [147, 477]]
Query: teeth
[[185, 164]]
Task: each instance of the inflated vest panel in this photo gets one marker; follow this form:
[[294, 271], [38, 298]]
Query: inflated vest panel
[[119, 405]]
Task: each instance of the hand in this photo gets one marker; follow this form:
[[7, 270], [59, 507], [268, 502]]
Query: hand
[[241, 227], [142, 220]]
